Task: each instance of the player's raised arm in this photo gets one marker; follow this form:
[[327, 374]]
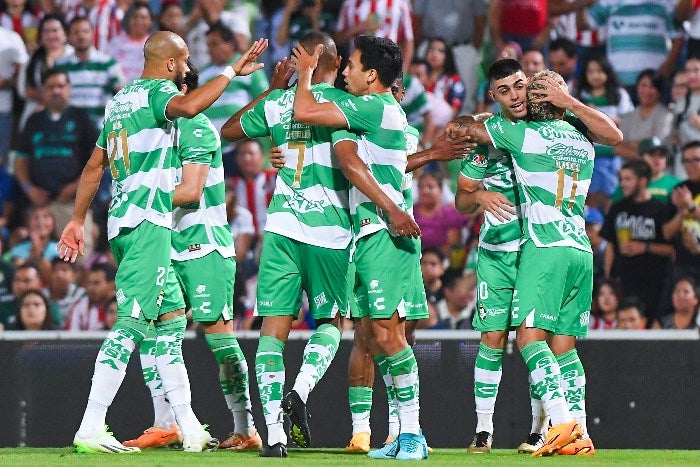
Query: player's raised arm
[[445, 148], [201, 98], [306, 109], [469, 127]]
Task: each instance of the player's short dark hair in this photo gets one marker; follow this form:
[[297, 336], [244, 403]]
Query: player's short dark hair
[[632, 302], [77, 19], [690, 145], [53, 72], [329, 55], [109, 270], [224, 32], [639, 168], [191, 77], [502, 68], [382, 55], [565, 45]]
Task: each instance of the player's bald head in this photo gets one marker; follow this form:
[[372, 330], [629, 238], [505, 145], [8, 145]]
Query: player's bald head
[[163, 45], [329, 56]]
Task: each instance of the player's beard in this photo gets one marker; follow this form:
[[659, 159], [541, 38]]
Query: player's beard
[[179, 80]]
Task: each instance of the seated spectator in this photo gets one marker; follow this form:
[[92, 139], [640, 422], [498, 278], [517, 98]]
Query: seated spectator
[[127, 47], [110, 313], [456, 309], [438, 111], [440, 223], [88, 313], [651, 118], [593, 224], [40, 246], [33, 312], [26, 277], [432, 265], [62, 290], [630, 314], [685, 307], [655, 153], [605, 304], [686, 107], [563, 59], [443, 80]]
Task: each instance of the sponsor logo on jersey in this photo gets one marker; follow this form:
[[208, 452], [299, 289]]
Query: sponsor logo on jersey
[[482, 312], [194, 247], [320, 299], [365, 222], [302, 205], [267, 303], [121, 298], [584, 318]]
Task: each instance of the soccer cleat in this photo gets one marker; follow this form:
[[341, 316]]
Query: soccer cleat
[[295, 409], [559, 436], [359, 443], [533, 443], [156, 437], [412, 447], [102, 442], [388, 451], [199, 442], [241, 442], [481, 444], [580, 447], [276, 450]]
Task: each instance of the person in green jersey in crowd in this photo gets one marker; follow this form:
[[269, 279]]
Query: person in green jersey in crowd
[[552, 302], [137, 144], [382, 231], [201, 279]]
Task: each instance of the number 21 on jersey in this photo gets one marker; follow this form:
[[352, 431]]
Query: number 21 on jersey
[[118, 148]]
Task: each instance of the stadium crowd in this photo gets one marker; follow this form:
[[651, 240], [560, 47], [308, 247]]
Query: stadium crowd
[[637, 61]]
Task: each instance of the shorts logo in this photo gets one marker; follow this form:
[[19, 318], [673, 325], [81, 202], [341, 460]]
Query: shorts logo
[[265, 302], [201, 288], [482, 312], [548, 317], [320, 299], [200, 291], [374, 284], [159, 300], [584, 318], [194, 247], [121, 298], [378, 304]]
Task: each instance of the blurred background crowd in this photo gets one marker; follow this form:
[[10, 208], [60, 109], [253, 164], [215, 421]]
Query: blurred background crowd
[[636, 60]]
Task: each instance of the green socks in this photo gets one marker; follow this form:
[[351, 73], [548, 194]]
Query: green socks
[[546, 380], [318, 355], [487, 377], [573, 383], [269, 371]]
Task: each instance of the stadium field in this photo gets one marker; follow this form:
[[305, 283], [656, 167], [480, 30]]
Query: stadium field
[[306, 457]]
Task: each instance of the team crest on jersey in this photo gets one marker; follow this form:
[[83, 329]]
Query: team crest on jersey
[[365, 222], [479, 160], [482, 312], [194, 247]]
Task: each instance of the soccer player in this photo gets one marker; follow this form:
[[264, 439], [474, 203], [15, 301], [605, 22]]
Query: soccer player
[[551, 301], [136, 144], [381, 230], [306, 247], [203, 270]]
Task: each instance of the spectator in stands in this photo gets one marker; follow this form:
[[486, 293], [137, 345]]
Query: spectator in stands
[[255, 185], [62, 290], [439, 113], [684, 227], [524, 22], [416, 104], [52, 46], [94, 75], [598, 87], [637, 252], [88, 313], [563, 59], [221, 43], [6, 297], [127, 47], [15, 15], [205, 14], [456, 309], [13, 54], [302, 17], [630, 314], [593, 224], [171, 17], [443, 79], [33, 312], [110, 314], [461, 24], [432, 265], [40, 246], [440, 223], [270, 19], [390, 19], [650, 118], [607, 298], [688, 106], [26, 277], [685, 306], [688, 10], [105, 19], [241, 223], [532, 62]]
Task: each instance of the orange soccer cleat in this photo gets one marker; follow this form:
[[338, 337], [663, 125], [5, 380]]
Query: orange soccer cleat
[[580, 447], [559, 436], [359, 443], [241, 442], [156, 437]]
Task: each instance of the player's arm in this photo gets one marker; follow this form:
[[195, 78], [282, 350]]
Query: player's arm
[[609, 258], [232, 130], [361, 177], [443, 149], [471, 195], [601, 128], [306, 109], [469, 127], [194, 176], [199, 99], [72, 239]]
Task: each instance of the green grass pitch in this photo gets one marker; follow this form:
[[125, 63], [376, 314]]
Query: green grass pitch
[[297, 457]]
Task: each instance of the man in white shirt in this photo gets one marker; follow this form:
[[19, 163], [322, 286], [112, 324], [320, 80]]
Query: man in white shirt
[[13, 54]]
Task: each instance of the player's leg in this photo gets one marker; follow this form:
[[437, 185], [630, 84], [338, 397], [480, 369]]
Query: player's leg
[[540, 423], [360, 382], [139, 282], [324, 275], [278, 302]]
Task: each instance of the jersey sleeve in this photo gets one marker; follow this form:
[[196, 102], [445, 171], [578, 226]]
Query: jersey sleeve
[[159, 97], [363, 113], [474, 166], [198, 140], [343, 135], [505, 134], [254, 123], [102, 139]]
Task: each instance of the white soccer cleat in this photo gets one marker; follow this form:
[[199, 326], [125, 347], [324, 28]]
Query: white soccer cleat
[[101, 442], [199, 442]]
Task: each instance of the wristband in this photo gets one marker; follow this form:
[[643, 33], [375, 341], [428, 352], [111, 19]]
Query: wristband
[[229, 72]]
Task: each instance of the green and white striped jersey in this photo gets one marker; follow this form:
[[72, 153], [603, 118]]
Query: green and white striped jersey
[[237, 94], [378, 125], [139, 140], [201, 228], [412, 138], [494, 168], [310, 202], [415, 103], [553, 164]]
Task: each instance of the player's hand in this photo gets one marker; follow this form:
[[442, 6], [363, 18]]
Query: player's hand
[[283, 72], [276, 157], [72, 242], [403, 223], [303, 60], [497, 204], [551, 91], [446, 148], [632, 248], [246, 64]]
